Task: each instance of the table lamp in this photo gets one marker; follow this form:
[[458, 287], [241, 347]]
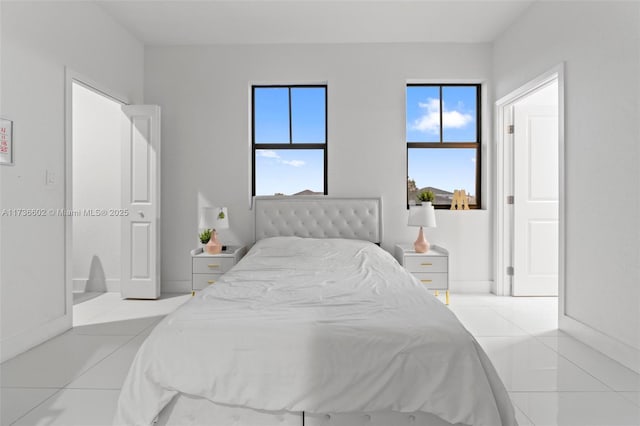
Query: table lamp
[[214, 218], [424, 215]]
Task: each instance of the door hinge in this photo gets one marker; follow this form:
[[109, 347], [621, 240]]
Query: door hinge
[[510, 199], [510, 271], [510, 129]]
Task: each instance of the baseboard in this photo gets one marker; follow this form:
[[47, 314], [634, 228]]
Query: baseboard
[[176, 286], [504, 290], [613, 348], [80, 285], [470, 286], [15, 345]]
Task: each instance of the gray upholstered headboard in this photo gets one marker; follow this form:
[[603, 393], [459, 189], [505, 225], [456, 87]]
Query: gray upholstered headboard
[[318, 217]]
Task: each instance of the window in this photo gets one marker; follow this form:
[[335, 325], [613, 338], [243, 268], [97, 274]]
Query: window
[[289, 140], [443, 141]]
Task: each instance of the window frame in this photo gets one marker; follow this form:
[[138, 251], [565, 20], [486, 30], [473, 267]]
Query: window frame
[[477, 145], [291, 145]]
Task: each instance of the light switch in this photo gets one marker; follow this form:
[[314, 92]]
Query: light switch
[[50, 178]]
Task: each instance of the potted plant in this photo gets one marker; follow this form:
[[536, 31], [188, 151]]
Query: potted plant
[[205, 236], [426, 196]]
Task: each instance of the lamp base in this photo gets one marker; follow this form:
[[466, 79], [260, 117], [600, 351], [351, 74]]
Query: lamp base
[[421, 245], [213, 246]]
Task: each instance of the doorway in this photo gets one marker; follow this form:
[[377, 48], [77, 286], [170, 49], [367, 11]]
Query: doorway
[[96, 188], [530, 178]]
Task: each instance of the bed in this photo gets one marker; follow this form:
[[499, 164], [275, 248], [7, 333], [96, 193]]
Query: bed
[[316, 325]]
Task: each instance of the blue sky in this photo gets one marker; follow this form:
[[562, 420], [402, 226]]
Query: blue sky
[[292, 171], [446, 169], [289, 171], [307, 115]]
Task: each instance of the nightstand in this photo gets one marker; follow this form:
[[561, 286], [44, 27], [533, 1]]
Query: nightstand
[[207, 268], [430, 268]]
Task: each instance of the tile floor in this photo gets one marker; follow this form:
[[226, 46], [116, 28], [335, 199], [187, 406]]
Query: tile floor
[[74, 379]]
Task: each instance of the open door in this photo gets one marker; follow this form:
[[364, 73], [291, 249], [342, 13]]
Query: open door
[[536, 190], [141, 200]]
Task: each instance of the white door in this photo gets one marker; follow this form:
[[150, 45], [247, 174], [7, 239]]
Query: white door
[[536, 188], [141, 199]]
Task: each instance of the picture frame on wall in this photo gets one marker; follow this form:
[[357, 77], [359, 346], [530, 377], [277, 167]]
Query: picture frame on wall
[[6, 141]]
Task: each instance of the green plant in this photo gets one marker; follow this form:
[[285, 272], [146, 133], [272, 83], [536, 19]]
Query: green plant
[[427, 195], [205, 236], [221, 215]]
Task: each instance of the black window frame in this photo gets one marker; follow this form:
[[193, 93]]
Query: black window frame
[[477, 145], [291, 145]]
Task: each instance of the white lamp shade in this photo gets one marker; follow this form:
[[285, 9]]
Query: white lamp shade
[[214, 217], [422, 216]]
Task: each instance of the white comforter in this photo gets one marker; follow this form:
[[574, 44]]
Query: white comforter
[[322, 326]]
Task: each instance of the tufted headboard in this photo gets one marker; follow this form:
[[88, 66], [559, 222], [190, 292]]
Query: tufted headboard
[[318, 217]]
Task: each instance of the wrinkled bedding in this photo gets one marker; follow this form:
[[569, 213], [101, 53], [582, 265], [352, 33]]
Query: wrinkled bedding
[[316, 325]]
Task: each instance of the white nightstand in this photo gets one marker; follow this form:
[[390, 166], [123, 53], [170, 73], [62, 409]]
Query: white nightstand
[[207, 268], [430, 268]]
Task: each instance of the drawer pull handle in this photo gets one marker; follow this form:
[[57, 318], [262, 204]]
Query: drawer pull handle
[[213, 265], [426, 281], [211, 281], [426, 264]]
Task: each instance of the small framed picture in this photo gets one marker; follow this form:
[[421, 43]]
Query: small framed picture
[[6, 141]]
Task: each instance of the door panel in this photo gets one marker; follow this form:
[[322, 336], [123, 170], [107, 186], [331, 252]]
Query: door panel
[[140, 250], [141, 160], [543, 256], [543, 158], [536, 201], [141, 197]]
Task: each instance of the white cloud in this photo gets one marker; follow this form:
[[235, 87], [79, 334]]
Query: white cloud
[[429, 122], [266, 153], [294, 163], [473, 159], [455, 119]]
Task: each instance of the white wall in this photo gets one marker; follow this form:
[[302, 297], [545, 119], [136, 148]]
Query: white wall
[[97, 185], [205, 96], [600, 45], [38, 41]]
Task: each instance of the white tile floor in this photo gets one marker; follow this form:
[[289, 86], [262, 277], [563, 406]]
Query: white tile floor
[[74, 379]]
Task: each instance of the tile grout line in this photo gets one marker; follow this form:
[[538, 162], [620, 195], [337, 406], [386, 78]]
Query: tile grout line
[[57, 389], [66, 387], [99, 361], [132, 337], [522, 412], [38, 405], [559, 354], [126, 342], [536, 338], [30, 387], [611, 389], [526, 333], [93, 389], [637, 403], [60, 389], [562, 391]]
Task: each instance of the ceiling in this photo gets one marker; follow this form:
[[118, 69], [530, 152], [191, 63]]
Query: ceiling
[[189, 22]]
